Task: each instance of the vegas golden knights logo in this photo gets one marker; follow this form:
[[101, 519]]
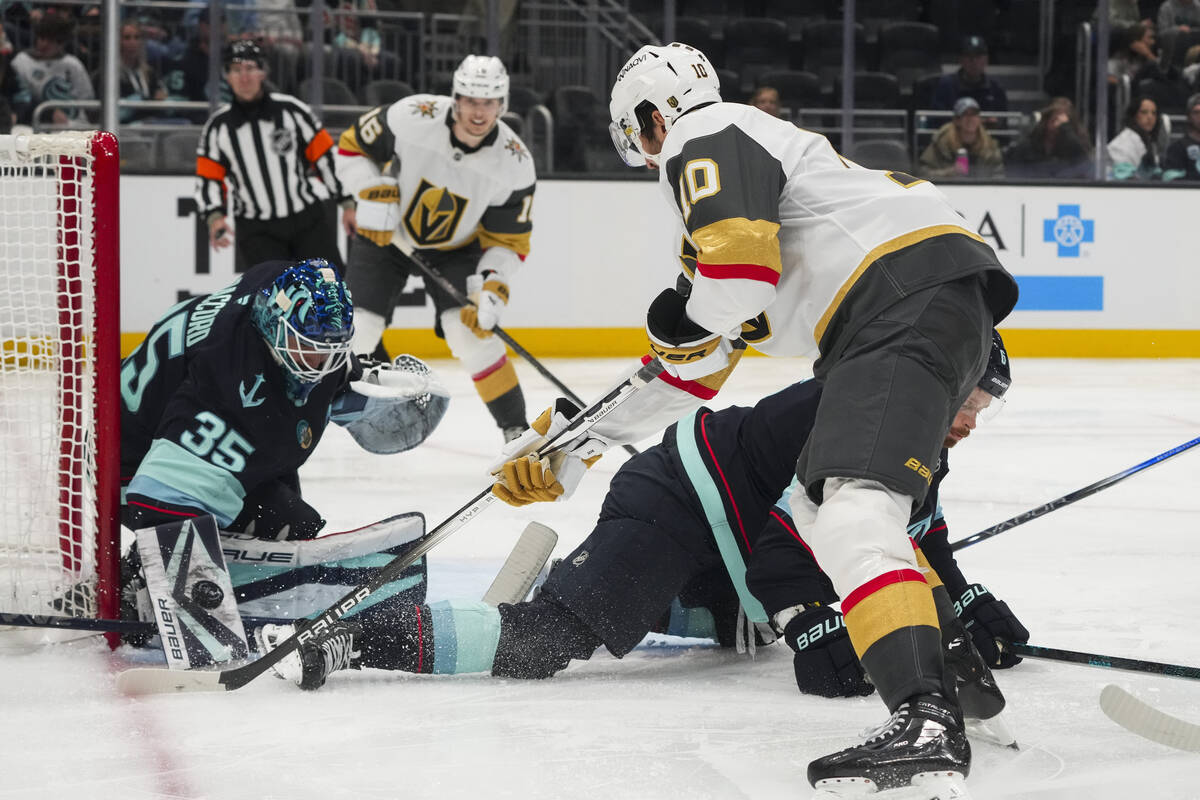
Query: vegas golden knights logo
[[433, 215]]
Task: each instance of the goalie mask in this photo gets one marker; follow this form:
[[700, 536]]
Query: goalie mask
[[672, 80], [481, 76], [307, 318]]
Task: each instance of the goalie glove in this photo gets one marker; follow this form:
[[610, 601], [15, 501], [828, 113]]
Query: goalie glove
[[824, 662], [687, 351], [523, 478], [378, 213], [489, 293], [990, 621], [393, 407]]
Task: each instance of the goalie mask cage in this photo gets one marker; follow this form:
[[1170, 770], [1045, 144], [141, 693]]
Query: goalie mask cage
[[59, 368]]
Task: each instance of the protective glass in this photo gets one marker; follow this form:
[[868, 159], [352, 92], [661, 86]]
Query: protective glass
[[306, 358], [627, 147]]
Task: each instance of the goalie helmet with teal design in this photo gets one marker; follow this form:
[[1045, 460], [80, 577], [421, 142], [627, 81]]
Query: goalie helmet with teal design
[[307, 317]]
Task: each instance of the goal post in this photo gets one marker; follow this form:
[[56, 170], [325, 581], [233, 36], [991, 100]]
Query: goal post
[[59, 374]]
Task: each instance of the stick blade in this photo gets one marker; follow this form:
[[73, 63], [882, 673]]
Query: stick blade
[[522, 566], [142, 681], [1148, 722]]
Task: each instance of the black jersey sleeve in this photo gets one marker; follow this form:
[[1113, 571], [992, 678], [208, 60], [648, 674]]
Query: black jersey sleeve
[[727, 187], [508, 224], [370, 136]]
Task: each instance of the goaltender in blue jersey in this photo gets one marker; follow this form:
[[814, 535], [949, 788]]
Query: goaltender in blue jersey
[[230, 393]]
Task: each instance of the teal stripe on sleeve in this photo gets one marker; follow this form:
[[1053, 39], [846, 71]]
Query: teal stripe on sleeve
[[714, 511], [172, 474], [465, 636]]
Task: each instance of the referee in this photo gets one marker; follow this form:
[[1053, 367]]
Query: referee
[[259, 153]]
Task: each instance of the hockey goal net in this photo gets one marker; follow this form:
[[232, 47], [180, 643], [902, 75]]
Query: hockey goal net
[[59, 365]]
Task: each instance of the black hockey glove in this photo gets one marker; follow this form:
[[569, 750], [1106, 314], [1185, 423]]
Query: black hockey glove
[[989, 620], [825, 661]]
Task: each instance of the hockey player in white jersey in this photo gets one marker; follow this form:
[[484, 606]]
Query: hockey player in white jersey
[[447, 175], [789, 248]]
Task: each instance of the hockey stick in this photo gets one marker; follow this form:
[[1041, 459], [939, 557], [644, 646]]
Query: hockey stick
[[1143, 719], [1067, 499], [522, 566], [157, 681], [1097, 660], [460, 298], [511, 584]]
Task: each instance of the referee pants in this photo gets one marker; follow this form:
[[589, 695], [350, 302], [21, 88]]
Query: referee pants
[[309, 233]]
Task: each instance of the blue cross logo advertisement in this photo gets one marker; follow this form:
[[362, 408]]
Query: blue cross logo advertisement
[[1066, 233]]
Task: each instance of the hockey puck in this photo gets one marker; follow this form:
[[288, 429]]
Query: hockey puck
[[207, 594]]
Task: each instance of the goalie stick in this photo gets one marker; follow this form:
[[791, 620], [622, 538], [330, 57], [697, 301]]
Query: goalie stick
[[156, 681], [522, 566], [511, 584], [452, 290], [1146, 721], [1067, 499]]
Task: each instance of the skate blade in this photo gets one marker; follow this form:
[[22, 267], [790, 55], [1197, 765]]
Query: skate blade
[[924, 786], [994, 730]]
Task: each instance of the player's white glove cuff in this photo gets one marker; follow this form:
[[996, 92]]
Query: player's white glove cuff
[[378, 214]]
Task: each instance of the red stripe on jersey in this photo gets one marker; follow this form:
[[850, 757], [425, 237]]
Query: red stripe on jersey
[[344, 152], [478, 376], [725, 482], [875, 584], [783, 521], [750, 272], [693, 388], [162, 510], [941, 527]]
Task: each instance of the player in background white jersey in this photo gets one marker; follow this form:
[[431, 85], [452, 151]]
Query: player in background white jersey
[[447, 175], [787, 247]]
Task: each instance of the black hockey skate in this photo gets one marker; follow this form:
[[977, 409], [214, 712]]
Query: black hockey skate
[[312, 662], [924, 737]]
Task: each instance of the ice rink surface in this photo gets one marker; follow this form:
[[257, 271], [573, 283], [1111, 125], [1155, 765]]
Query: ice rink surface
[[1115, 573]]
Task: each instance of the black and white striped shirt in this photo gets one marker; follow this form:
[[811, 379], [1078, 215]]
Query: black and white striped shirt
[[264, 152]]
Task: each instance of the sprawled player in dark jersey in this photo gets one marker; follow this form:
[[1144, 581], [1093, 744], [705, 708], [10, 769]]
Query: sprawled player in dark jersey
[[669, 553], [230, 393]]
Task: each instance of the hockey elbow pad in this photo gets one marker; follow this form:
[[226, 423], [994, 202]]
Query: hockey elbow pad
[[687, 351], [378, 213]]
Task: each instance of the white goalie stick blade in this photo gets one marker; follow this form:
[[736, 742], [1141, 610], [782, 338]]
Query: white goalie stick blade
[[144, 681], [522, 566], [1137, 716]]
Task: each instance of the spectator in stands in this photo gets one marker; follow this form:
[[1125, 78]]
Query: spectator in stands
[[1137, 151], [279, 25], [971, 80], [1182, 161], [186, 77], [1133, 54], [1191, 67], [1056, 147], [766, 98], [359, 42], [139, 80], [1178, 15], [1123, 17], [964, 132], [47, 71]]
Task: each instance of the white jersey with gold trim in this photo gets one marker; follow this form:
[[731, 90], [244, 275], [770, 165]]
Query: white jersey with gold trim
[[777, 226], [449, 194]]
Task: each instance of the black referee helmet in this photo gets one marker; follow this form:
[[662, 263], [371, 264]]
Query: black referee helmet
[[245, 51]]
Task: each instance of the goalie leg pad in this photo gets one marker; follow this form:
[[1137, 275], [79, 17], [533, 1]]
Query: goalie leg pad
[[191, 593]]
